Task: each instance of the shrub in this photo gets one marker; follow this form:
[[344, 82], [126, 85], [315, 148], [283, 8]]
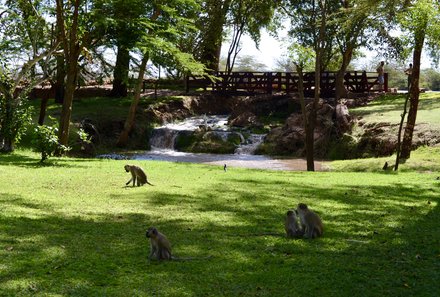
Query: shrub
[[46, 141]]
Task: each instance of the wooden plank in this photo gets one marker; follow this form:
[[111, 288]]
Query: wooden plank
[[267, 82]]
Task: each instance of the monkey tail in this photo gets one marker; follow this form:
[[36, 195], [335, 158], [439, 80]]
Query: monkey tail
[[190, 258], [147, 182]]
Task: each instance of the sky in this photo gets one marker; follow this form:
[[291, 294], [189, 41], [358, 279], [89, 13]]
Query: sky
[[272, 49]]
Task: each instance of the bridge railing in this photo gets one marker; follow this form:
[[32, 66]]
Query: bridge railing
[[269, 82]]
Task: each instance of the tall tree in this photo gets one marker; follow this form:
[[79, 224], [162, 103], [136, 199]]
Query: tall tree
[[75, 32], [309, 21], [353, 21], [421, 22], [161, 26], [247, 17], [211, 24], [121, 30], [24, 36]]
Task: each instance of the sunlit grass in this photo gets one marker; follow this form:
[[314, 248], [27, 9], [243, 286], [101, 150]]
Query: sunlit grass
[[388, 108], [424, 159], [73, 229]]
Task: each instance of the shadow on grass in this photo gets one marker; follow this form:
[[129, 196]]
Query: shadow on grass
[[371, 247], [22, 160]]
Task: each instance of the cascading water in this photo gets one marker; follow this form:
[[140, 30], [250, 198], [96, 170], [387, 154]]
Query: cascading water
[[250, 145], [164, 138]]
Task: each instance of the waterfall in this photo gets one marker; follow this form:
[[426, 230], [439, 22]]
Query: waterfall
[[163, 138], [250, 145]]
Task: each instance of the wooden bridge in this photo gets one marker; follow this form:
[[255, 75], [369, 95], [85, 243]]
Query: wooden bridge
[[270, 82]]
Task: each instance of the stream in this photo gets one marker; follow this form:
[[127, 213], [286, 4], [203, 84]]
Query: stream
[[163, 140]]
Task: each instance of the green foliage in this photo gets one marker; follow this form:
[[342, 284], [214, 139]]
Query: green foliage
[[73, 229], [46, 141], [421, 21], [302, 56], [344, 148], [206, 142], [184, 141], [15, 112]]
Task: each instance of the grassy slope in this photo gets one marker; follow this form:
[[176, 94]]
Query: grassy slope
[[100, 108], [72, 229], [389, 107]]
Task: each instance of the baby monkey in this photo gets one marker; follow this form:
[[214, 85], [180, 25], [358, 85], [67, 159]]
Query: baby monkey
[[310, 221], [291, 225], [138, 175]]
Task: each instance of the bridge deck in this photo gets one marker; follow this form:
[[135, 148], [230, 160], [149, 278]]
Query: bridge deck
[[269, 82]]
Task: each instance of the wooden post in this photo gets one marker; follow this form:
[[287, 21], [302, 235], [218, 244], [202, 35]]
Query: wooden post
[[269, 82]]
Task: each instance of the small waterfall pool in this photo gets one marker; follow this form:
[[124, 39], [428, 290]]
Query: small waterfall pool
[[163, 140]]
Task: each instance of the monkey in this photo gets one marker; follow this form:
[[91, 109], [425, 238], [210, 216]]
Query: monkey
[[387, 167], [160, 247], [138, 175], [310, 221], [291, 225]]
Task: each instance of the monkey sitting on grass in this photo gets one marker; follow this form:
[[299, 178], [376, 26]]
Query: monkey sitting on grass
[[311, 223], [138, 175], [291, 225]]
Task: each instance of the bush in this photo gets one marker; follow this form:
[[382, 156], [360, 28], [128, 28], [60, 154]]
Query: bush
[[46, 141]]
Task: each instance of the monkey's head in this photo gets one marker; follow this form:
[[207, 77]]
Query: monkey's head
[[151, 232], [302, 207], [127, 168], [291, 213]]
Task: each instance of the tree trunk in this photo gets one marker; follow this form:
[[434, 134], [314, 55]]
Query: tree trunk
[[340, 90], [414, 99], [66, 111], [120, 74], [306, 120], [128, 126], [59, 84], [399, 133], [43, 107], [310, 132], [129, 123], [72, 49], [7, 130], [61, 70], [213, 34]]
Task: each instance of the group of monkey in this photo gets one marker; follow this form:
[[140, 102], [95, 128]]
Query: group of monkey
[[309, 224]]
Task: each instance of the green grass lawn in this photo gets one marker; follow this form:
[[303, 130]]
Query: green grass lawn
[[73, 229], [388, 108]]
